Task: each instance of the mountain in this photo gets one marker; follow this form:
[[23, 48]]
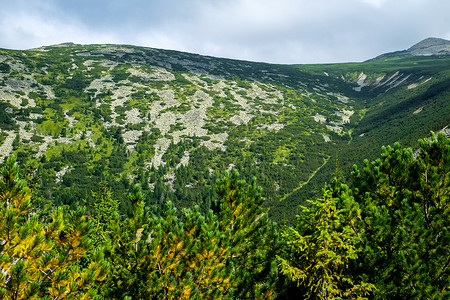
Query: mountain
[[431, 46], [175, 122], [427, 47]]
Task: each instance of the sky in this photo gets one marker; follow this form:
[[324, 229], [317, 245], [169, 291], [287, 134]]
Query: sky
[[273, 31]]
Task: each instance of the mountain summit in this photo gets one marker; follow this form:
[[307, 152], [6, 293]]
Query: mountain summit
[[431, 46], [427, 47]]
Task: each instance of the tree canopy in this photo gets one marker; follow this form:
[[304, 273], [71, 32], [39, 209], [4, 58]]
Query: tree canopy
[[383, 235]]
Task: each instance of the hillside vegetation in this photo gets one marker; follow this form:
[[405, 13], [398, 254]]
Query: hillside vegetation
[[383, 235], [175, 122]]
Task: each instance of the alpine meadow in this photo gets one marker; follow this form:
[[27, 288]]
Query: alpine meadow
[[139, 173]]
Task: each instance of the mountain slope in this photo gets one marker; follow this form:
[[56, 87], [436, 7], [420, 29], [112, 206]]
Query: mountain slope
[[175, 121]]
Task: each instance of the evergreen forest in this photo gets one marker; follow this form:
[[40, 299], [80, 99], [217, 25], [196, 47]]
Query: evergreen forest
[[383, 235]]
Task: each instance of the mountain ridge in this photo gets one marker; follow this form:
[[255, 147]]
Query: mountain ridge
[[427, 47]]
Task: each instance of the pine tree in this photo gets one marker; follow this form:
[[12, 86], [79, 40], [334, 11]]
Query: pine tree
[[320, 248], [39, 260], [106, 210], [168, 257], [390, 229], [253, 238], [188, 255], [405, 220]]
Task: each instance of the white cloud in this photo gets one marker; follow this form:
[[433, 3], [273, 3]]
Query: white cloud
[[375, 3], [24, 30]]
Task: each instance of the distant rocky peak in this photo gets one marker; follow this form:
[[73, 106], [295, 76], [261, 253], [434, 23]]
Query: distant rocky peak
[[431, 46], [428, 47]]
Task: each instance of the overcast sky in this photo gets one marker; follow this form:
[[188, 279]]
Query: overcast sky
[[275, 31]]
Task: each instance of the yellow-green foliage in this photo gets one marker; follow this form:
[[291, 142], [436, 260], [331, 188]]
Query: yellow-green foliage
[[320, 249], [40, 260], [194, 256], [169, 257]]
